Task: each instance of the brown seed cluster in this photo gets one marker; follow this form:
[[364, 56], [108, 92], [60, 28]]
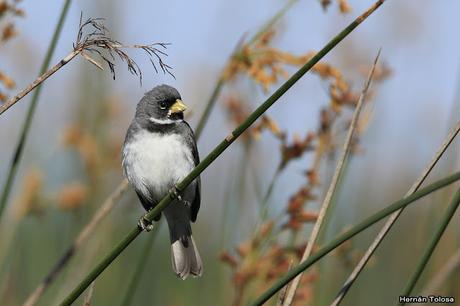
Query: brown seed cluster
[[6, 81], [97, 148], [257, 265], [8, 11], [344, 6], [85, 143], [262, 63], [98, 143], [295, 209], [265, 65], [295, 149], [10, 7], [266, 123], [72, 196], [30, 195], [97, 139], [238, 111]]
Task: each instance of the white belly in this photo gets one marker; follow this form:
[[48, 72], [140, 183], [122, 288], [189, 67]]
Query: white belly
[[154, 162]]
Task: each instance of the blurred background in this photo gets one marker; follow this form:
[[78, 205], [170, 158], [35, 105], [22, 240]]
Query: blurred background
[[72, 160]]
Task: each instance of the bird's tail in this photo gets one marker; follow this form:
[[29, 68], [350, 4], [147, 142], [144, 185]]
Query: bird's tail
[[185, 258]]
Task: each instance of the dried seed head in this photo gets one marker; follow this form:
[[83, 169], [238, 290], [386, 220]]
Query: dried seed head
[[86, 145], [8, 10], [296, 149], [266, 123], [93, 37], [6, 81], [237, 110], [262, 63], [28, 201], [72, 196], [3, 97], [266, 228], [229, 259], [8, 32], [344, 6], [243, 249], [308, 216]]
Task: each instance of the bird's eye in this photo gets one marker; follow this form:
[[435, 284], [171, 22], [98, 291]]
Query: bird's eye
[[163, 105]]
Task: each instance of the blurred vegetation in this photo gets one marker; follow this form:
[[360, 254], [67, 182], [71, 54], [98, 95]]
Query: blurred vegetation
[[259, 202]]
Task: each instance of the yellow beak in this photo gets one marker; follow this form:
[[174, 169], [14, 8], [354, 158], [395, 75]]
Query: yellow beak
[[178, 107]]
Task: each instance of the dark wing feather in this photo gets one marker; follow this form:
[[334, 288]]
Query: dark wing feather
[[196, 159], [148, 205]]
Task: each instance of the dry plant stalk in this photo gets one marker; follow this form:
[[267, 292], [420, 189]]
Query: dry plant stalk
[[332, 187], [89, 295], [107, 49], [344, 6], [8, 29], [393, 217], [238, 110]]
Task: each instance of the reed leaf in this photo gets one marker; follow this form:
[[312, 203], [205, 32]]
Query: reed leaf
[[432, 244]]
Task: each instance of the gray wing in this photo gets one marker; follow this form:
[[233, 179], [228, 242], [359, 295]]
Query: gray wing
[[196, 159]]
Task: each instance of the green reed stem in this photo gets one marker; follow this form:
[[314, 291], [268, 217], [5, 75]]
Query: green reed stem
[[432, 245], [126, 301], [31, 111], [219, 149], [271, 186], [209, 106], [351, 233]]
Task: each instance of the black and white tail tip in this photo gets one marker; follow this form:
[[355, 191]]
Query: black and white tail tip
[[185, 259]]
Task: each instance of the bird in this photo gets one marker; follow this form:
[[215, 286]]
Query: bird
[[158, 152]]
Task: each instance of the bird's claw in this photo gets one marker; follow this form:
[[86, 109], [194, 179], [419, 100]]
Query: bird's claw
[[145, 224], [176, 195]]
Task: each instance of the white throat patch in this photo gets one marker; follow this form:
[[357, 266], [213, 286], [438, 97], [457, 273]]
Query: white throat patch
[[164, 121]]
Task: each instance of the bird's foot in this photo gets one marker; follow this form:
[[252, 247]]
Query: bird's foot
[[145, 224], [175, 193]]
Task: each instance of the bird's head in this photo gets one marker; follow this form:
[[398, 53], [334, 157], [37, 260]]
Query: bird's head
[[161, 105]]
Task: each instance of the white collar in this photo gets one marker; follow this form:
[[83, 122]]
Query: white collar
[[164, 121]]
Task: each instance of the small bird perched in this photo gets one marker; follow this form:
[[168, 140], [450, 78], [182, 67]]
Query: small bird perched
[[159, 151]]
